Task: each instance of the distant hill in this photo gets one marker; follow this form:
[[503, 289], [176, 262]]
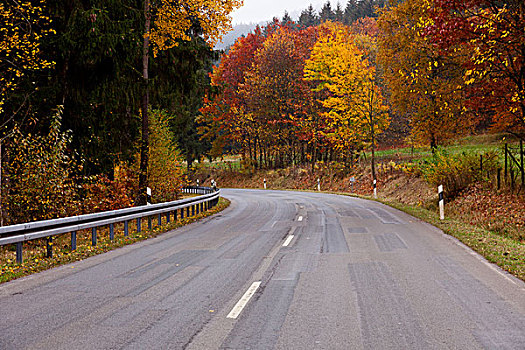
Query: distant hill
[[243, 29], [238, 31]]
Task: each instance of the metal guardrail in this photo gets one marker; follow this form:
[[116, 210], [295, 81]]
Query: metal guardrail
[[17, 234]]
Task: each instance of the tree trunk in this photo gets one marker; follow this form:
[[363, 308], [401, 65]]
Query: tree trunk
[[144, 146]]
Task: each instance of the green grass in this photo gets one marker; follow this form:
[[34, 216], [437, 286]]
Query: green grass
[[470, 144]]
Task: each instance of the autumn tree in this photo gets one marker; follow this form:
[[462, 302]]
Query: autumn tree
[[166, 170], [354, 105], [490, 35], [166, 23], [423, 83], [224, 107], [24, 26]]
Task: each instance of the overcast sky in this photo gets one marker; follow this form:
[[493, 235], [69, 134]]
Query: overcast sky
[[255, 11]]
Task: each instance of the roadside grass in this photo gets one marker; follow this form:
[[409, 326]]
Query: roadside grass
[[469, 144], [35, 259]]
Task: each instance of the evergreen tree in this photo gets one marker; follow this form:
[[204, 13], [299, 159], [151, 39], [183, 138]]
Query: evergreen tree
[[339, 13], [356, 9], [180, 78], [96, 48], [327, 14], [286, 18], [308, 17]]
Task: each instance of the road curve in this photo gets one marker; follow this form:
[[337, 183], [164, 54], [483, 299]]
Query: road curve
[[276, 270]]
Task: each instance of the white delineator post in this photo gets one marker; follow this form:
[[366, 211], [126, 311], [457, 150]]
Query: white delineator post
[[264, 183], [148, 194], [375, 188], [197, 182], [318, 184], [441, 203]]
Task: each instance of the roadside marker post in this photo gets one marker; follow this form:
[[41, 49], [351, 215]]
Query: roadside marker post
[[375, 188], [148, 195], [318, 184], [197, 182], [441, 203], [352, 180], [264, 183]]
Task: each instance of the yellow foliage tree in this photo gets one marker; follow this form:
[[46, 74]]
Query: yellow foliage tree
[[171, 22], [354, 105], [166, 171], [22, 30]]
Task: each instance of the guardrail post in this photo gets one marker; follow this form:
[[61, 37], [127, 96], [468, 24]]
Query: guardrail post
[[94, 236], [159, 219], [149, 222], [182, 213], [49, 247], [139, 224], [193, 210], [111, 232], [175, 215], [187, 212], [168, 217], [19, 253], [126, 228], [73, 240], [202, 207]]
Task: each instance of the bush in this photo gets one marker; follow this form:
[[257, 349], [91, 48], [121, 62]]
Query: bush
[[166, 173], [38, 176], [40, 180], [457, 172]]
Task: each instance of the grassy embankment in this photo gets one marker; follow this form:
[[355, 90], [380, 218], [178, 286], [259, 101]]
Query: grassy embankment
[[35, 251], [490, 221]]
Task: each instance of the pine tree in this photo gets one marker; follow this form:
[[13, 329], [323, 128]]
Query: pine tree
[[327, 14], [308, 17]]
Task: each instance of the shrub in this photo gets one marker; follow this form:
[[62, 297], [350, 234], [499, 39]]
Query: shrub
[[38, 176], [166, 172], [457, 172]]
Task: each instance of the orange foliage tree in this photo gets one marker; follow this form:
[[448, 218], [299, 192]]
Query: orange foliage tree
[[423, 82]]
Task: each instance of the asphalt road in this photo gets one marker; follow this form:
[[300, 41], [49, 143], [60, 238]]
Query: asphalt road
[[276, 270]]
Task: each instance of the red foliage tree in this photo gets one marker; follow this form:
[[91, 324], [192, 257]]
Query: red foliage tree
[[490, 34]]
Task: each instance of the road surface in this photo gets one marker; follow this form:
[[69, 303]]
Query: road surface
[[276, 270]]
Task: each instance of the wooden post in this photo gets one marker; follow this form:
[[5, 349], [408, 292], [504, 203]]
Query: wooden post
[[506, 162], [522, 168], [481, 164]]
